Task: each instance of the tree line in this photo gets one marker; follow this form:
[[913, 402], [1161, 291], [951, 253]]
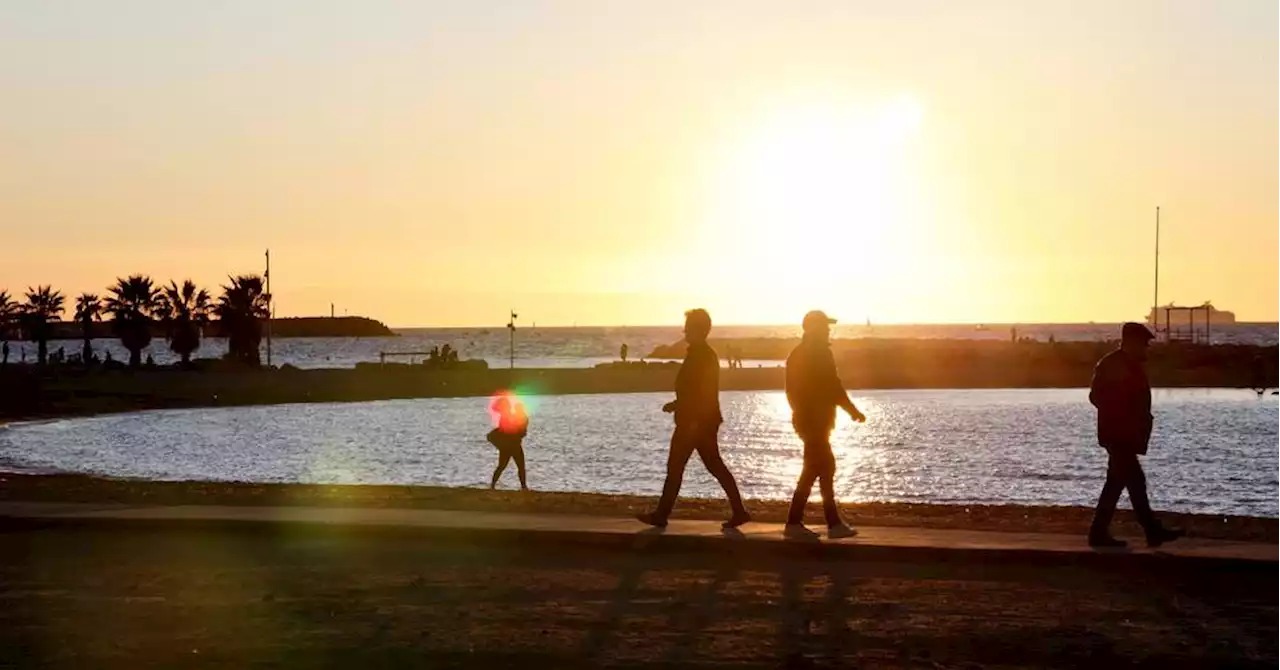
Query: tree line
[[135, 305]]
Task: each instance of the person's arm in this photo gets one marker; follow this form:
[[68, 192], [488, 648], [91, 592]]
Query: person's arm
[[837, 390], [685, 381], [1102, 386]]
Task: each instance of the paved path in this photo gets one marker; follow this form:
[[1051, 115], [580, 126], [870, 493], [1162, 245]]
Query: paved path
[[880, 541]]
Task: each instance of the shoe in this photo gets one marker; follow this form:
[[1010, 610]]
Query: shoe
[[1161, 535], [652, 519], [1105, 542], [840, 531], [797, 531], [736, 520]]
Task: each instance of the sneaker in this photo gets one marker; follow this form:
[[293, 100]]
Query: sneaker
[[736, 520], [652, 519], [1161, 535], [1105, 542], [840, 531], [797, 531]]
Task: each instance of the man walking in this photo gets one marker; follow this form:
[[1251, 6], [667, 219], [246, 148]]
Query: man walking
[[1122, 394], [814, 391], [698, 419]]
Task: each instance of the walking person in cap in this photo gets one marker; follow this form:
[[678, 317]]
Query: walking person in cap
[[814, 391], [698, 419], [1121, 392]]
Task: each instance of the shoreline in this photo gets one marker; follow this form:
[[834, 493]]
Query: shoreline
[[18, 487], [28, 393]]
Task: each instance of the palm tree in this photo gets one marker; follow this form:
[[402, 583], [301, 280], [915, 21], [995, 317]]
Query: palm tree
[[8, 312], [43, 306], [242, 307], [184, 312], [132, 304], [88, 310]]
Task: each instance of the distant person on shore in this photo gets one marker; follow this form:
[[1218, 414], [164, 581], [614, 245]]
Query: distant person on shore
[[508, 435], [6, 353], [622, 352], [814, 391], [698, 419], [1122, 394]]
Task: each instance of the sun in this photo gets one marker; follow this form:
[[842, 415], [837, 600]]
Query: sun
[[809, 190]]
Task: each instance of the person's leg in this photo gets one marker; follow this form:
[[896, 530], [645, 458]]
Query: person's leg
[[1157, 534], [1135, 481], [681, 449], [518, 455], [1106, 508], [708, 447], [799, 499], [822, 461], [503, 459]]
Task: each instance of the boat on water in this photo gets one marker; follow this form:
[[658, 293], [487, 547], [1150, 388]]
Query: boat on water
[[1180, 315]]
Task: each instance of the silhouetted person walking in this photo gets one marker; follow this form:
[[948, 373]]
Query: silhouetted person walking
[[698, 419], [508, 436], [622, 352], [814, 391], [1122, 394]]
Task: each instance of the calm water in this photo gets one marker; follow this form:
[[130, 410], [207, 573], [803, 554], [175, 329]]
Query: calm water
[[584, 347], [1214, 451]]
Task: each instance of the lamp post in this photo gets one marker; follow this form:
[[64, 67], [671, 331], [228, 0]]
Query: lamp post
[[266, 276], [511, 326]]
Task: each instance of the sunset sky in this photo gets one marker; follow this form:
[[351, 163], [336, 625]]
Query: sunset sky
[[435, 163]]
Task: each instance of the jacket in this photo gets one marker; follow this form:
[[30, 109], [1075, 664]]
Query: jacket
[[1121, 392], [698, 387], [813, 388]]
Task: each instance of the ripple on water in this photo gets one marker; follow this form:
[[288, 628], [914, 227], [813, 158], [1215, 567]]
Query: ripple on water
[[1213, 451]]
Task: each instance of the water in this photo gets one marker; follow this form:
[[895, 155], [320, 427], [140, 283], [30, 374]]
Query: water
[[1214, 451], [584, 347]]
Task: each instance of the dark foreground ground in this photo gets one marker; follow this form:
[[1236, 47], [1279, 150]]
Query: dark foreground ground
[[311, 599]]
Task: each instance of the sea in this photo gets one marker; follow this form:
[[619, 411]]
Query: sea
[[1214, 451], [539, 347]]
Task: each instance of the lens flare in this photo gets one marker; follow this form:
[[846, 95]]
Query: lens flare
[[510, 410]]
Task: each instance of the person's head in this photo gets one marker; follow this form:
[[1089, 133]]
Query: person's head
[[817, 326], [1134, 339], [697, 326]]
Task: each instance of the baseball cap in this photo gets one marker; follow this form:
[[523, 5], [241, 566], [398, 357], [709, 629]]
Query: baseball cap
[[816, 317], [1135, 331]]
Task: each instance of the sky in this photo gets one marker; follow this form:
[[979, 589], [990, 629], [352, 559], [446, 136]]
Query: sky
[[616, 163]]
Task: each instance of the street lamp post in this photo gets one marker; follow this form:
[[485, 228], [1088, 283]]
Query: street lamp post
[[511, 326]]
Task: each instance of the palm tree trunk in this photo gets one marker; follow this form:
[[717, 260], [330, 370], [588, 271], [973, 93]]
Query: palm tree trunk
[[135, 358], [42, 351]]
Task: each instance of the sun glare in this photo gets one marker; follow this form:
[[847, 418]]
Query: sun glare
[[817, 193]]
